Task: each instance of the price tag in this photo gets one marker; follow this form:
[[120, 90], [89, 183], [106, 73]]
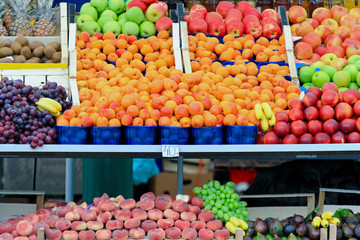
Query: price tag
[[170, 150]]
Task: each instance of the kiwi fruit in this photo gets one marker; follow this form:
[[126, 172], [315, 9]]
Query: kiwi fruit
[[56, 57], [22, 40], [55, 45], [16, 47], [49, 61], [2, 44], [31, 61], [26, 52], [5, 52], [36, 59], [38, 52], [35, 44], [7, 42], [49, 51], [20, 59], [6, 60], [44, 59]]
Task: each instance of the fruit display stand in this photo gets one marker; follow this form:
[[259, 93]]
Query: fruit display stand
[[37, 74]]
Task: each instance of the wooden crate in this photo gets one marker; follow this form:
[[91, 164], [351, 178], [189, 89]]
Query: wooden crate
[[40, 73]]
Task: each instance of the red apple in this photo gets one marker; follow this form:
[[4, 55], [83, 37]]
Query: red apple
[[253, 29], [355, 32], [235, 27], [321, 50], [271, 138], [329, 86], [315, 126], [298, 128], [281, 129], [347, 125], [284, 117], [98, 35], [223, 7], [323, 32], [348, 20], [195, 15], [296, 114], [347, 42], [326, 113], [254, 12], [303, 29], [353, 49], [290, 139], [199, 8], [236, 13], [322, 138], [231, 18], [321, 14], [212, 17], [358, 124], [260, 138], [217, 28], [270, 13], [351, 96], [267, 20], [314, 90], [313, 39], [244, 6], [296, 104], [137, 3], [198, 25], [332, 40], [343, 32], [303, 50], [357, 108], [249, 19], [338, 137], [271, 30], [331, 126], [330, 97], [164, 23], [306, 138], [297, 14], [330, 23], [355, 12], [353, 137], [337, 50], [310, 113], [310, 99], [313, 22], [337, 12]]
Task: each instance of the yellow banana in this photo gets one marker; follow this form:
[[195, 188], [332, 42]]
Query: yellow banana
[[264, 124], [243, 225], [334, 221], [316, 222], [52, 102], [272, 120], [237, 222], [42, 106], [258, 111], [327, 215], [324, 223], [229, 226], [267, 110]]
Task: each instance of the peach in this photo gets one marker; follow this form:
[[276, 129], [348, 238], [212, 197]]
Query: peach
[[5, 227], [72, 216], [139, 213], [197, 121], [164, 121], [53, 234], [137, 233], [185, 122], [196, 201], [14, 233], [104, 217], [196, 108], [120, 234], [22, 238], [32, 218], [197, 225], [70, 235], [114, 224], [166, 111], [106, 205], [69, 114], [156, 234], [87, 215], [206, 234], [39, 225], [214, 225], [146, 204], [87, 235], [181, 111], [6, 236], [222, 234], [165, 223], [210, 120], [62, 211], [132, 223], [78, 225], [103, 234], [194, 209], [171, 214], [188, 216], [181, 224], [24, 228], [128, 203], [148, 225], [155, 214], [206, 216], [163, 203], [94, 225], [189, 233], [63, 224]]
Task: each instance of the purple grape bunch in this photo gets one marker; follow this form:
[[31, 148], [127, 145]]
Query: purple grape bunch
[[20, 120]]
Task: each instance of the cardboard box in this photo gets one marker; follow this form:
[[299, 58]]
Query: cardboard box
[[166, 182], [191, 166]]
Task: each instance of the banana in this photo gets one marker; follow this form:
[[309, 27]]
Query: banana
[[264, 124], [316, 222], [229, 226], [42, 105], [334, 221], [258, 111], [324, 223], [267, 110], [52, 102], [327, 215], [243, 225], [237, 222], [272, 120]]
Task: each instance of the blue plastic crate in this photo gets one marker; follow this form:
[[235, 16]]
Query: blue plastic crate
[[174, 135], [72, 135], [105, 135], [207, 135], [241, 134], [141, 135]]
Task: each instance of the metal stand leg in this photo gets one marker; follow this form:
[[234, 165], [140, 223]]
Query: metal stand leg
[[180, 175], [69, 179]]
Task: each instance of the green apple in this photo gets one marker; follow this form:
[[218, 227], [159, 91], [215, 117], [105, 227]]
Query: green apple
[[83, 19], [130, 28], [353, 85], [155, 11], [317, 64], [307, 85], [342, 79], [353, 59], [147, 29], [89, 10], [112, 26], [104, 19], [319, 78], [353, 70], [99, 5], [358, 78], [329, 70], [357, 63], [135, 14], [78, 32], [305, 74], [122, 19], [109, 13], [118, 6], [91, 27], [341, 89], [328, 58]]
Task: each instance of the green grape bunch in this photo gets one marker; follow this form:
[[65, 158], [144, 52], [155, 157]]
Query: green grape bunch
[[222, 200]]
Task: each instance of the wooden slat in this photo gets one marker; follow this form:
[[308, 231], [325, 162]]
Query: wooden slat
[[72, 63], [36, 81], [35, 72], [332, 232], [64, 32], [321, 200], [323, 234], [20, 192], [185, 47], [40, 234], [239, 234], [60, 80], [176, 46], [74, 91], [311, 203], [39, 201]]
